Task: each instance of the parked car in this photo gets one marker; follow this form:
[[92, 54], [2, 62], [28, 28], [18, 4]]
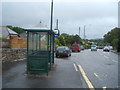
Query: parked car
[[63, 51], [106, 48], [75, 47], [93, 48], [101, 47], [82, 48]]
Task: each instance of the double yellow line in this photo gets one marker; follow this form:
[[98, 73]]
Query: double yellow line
[[91, 87], [86, 78]]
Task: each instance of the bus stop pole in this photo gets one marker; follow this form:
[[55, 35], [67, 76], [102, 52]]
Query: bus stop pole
[[52, 37]]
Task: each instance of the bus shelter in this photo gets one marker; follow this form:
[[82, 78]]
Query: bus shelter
[[40, 50]]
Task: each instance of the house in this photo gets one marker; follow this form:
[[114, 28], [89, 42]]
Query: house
[[9, 38], [18, 42], [5, 35]]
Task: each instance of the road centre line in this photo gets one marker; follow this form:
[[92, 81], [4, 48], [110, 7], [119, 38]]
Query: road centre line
[[75, 67], [86, 78], [97, 76]]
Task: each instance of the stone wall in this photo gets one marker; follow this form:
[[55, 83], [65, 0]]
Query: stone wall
[[13, 54]]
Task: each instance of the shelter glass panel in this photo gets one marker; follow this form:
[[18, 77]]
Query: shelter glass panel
[[37, 41], [43, 43], [30, 43]]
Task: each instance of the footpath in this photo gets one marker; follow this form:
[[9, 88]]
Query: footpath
[[62, 75]]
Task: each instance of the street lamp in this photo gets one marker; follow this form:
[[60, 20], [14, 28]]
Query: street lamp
[[51, 15]]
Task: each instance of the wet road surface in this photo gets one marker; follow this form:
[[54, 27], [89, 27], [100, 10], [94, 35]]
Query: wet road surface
[[100, 67]]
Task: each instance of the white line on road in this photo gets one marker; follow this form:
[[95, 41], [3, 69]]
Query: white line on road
[[100, 53], [86, 78], [114, 61], [104, 88], [106, 56], [75, 67], [111, 60], [97, 76]]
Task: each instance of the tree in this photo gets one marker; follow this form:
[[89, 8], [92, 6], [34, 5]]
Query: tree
[[57, 42], [67, 40], [76, 39], [61, 40], [113, 38], [118, 48], [99, 42]]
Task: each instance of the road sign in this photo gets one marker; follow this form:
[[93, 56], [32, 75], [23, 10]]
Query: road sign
[[55, 35]]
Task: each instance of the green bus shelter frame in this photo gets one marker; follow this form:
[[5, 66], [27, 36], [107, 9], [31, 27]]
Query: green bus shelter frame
[[40, 50]]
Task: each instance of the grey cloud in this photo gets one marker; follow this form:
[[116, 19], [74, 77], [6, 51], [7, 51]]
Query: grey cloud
[[99, 18]]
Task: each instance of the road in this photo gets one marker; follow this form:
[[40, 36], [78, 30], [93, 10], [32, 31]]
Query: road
[[100, 68]]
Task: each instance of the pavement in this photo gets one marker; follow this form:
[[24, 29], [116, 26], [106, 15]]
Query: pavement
[[0, 75], [62, 75]]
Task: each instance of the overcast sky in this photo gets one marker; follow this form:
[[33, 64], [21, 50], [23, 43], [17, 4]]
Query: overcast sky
[[98, 17]]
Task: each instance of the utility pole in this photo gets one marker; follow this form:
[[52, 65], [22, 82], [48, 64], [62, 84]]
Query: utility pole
[[119, 25], [84, 32], [51, 22], [79, 31]]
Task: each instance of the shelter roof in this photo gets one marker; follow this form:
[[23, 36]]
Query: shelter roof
[[38, 26]]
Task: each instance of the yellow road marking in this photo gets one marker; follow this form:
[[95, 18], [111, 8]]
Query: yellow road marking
[[86, 78]]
